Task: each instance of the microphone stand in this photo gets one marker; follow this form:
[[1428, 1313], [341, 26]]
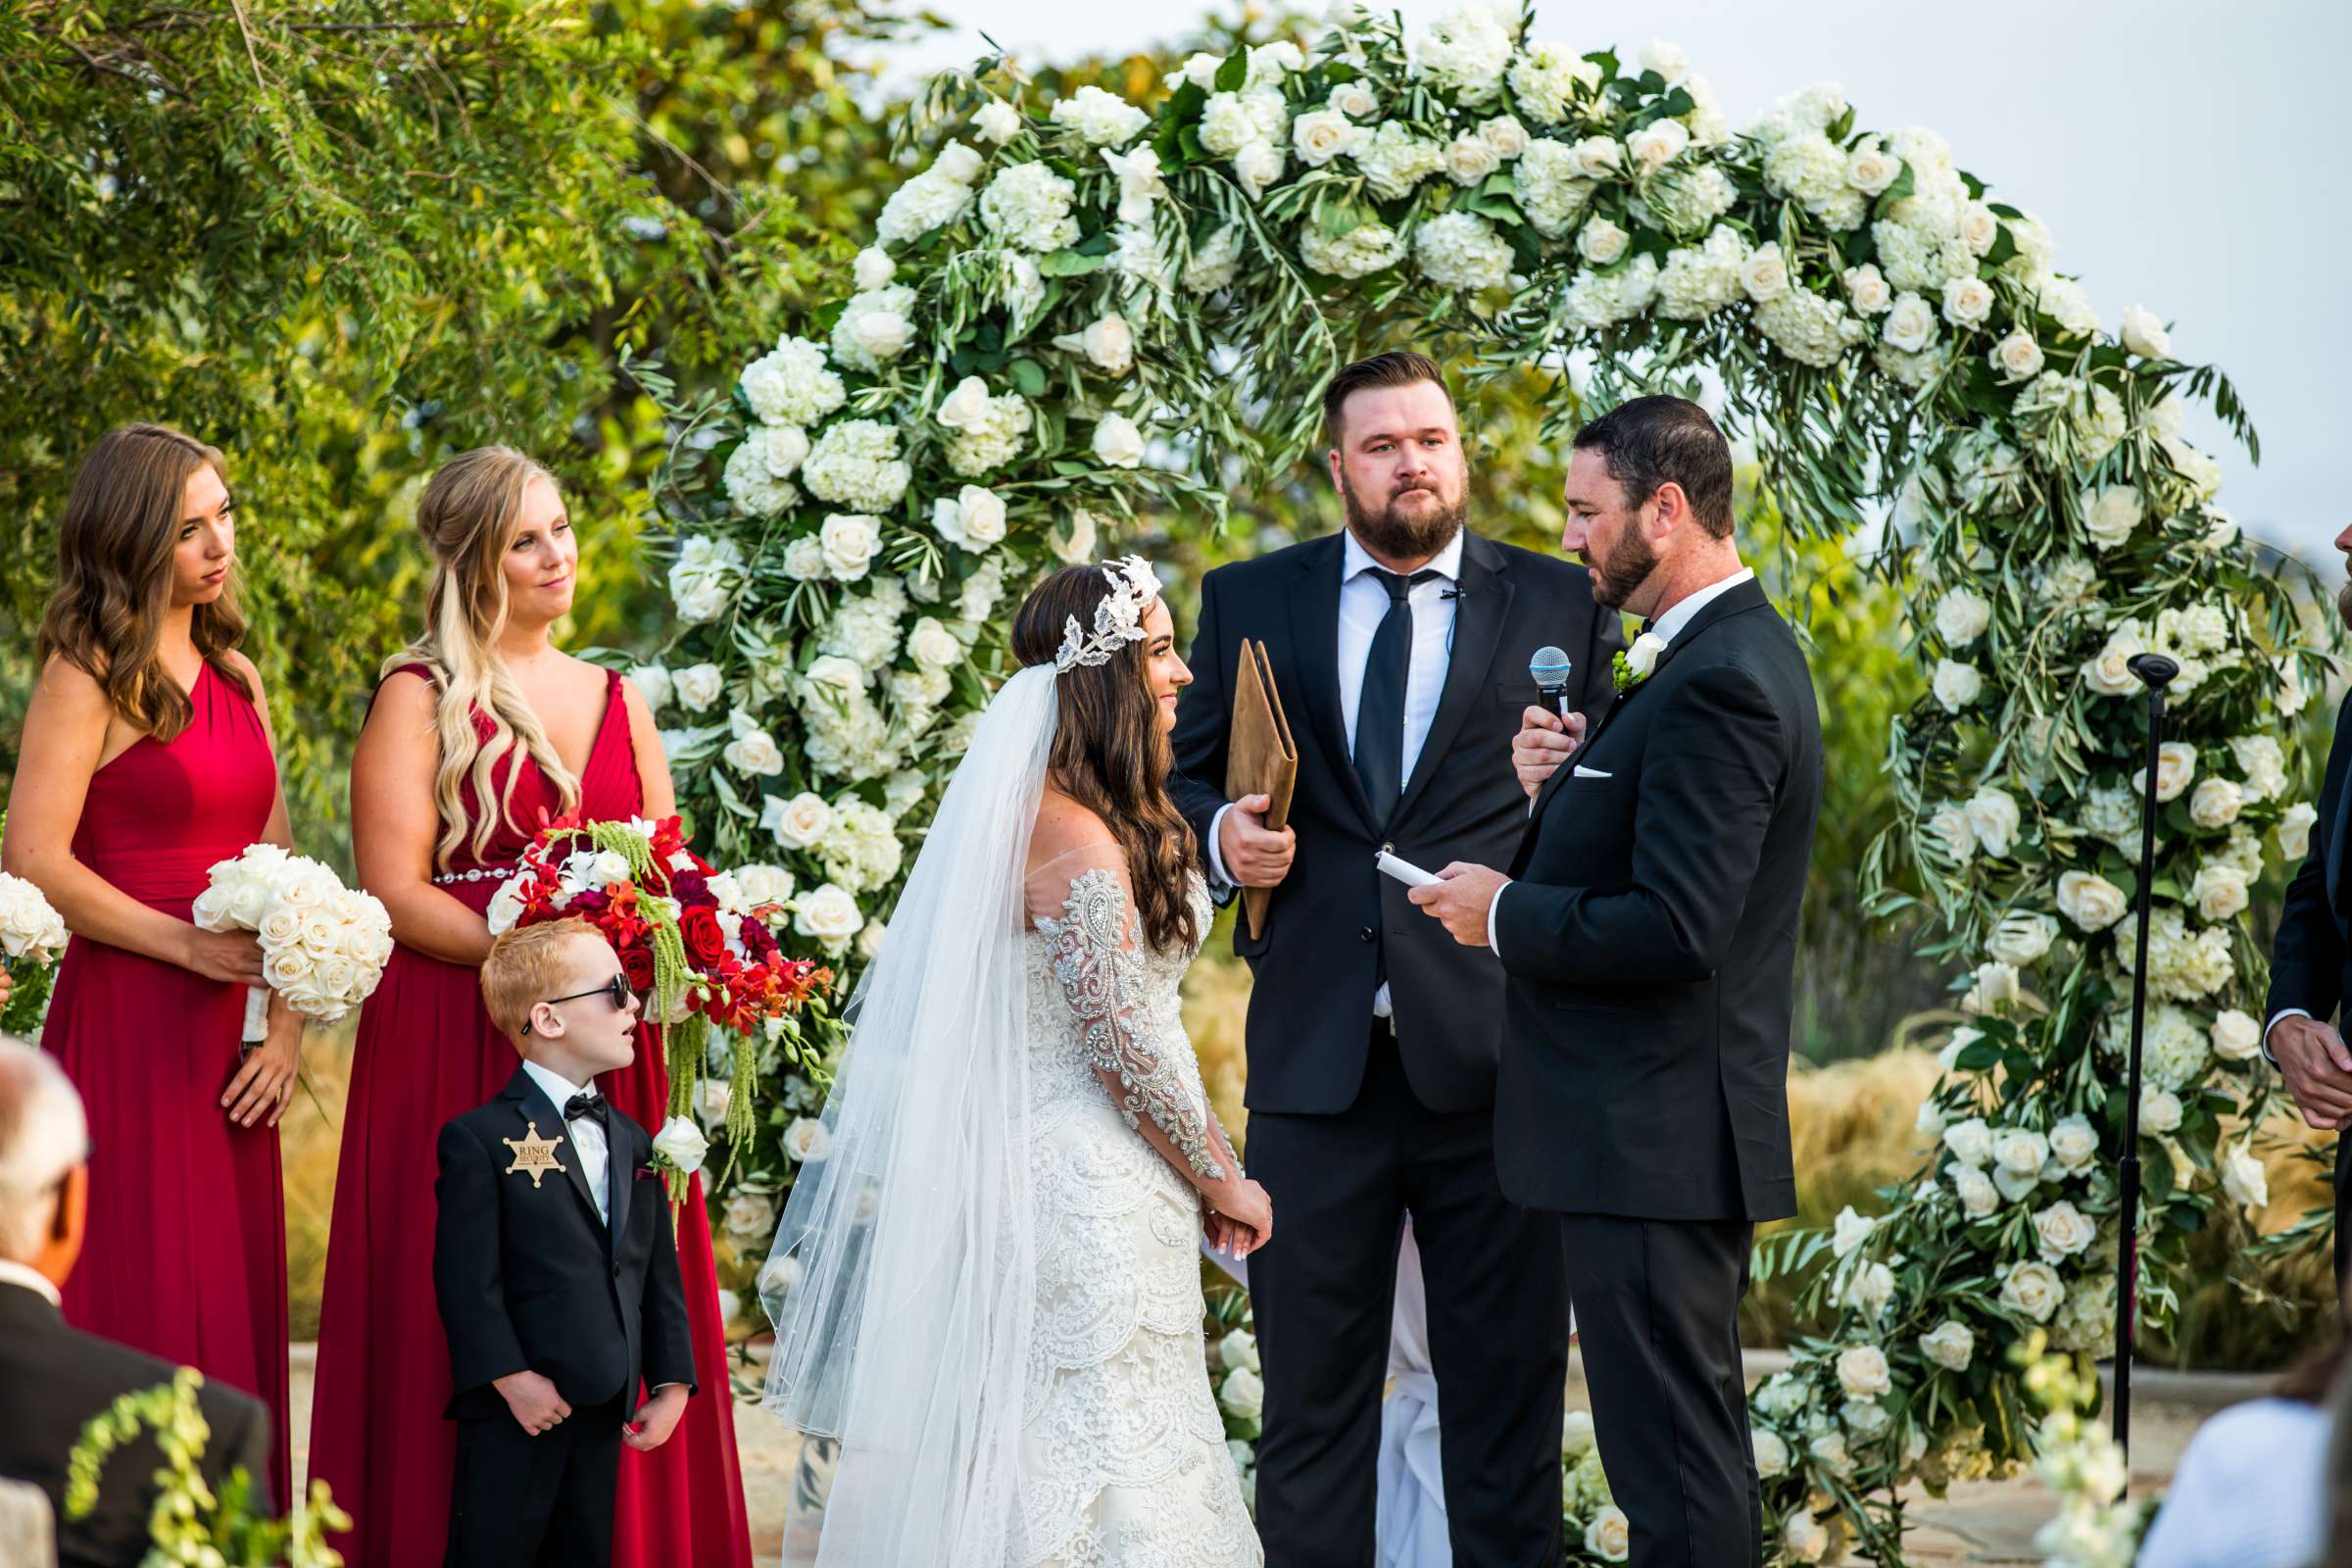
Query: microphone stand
[[2155, 672]]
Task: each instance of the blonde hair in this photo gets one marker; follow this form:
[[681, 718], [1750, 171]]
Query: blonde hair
[[524, 966], [469, 513], [115, 544]]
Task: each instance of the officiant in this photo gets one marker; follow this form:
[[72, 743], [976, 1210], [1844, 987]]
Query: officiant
[[1399, 647]]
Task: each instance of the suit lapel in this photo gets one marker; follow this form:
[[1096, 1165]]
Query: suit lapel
[[620, 1173], [531, 1104], [1315, 640], [1479, 611]]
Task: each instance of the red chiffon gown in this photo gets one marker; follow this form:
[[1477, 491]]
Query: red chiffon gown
[[428, 1052], [186, 1256]]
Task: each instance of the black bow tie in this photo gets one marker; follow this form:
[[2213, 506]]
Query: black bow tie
[[586, 1105]]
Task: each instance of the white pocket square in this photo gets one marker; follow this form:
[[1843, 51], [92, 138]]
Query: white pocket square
[[1581, 771]]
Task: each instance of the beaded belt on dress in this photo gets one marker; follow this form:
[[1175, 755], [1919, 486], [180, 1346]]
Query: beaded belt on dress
[[478, 873]]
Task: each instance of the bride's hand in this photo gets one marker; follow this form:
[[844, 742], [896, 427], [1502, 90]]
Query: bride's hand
[[1248, 1211]]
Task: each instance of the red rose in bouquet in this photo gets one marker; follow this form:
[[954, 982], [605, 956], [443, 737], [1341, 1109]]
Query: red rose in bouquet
[[706, 942]]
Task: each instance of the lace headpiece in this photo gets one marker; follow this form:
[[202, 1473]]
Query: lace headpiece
[[1118, 619]]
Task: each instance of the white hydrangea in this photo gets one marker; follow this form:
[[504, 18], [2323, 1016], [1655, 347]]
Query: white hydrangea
[[1809, 327], [703, 577], [1361, 251], [1596, 300], [856, 464], [863, 629], [1461, 250], [1100, 119], [1465, 54], [1395, 160], [1697, 282], [1810, 169], [1028, 206], [981, 591], [996, 121], [1548, 78], [861, 849], [2264, 763], [1551, 185], [1215, 262], [1685, 201], [932, 199], [875, 326], [790, 384], [2183, 965], [1919, 262]]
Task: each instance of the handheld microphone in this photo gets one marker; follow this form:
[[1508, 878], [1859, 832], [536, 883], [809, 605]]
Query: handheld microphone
[[1550, 668]]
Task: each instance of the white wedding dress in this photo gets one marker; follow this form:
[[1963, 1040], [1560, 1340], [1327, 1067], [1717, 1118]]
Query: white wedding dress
[[1123, 1461]]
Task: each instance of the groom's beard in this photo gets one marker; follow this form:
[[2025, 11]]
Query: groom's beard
[[1628, 567], [1394, 534]]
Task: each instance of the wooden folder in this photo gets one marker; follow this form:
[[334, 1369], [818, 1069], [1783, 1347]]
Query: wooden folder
[[1261, 759]]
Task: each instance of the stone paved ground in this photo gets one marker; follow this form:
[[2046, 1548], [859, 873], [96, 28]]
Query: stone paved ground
[[1983, 1522]]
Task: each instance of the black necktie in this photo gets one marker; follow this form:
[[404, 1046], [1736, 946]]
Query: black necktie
[[1379, 705], [589, 1106]]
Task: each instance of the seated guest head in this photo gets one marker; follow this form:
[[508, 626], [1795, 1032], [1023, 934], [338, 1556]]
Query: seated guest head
[[44, 1170], [560, 993], [1649, 504]]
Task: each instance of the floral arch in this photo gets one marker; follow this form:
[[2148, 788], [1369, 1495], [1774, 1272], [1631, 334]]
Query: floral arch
[[1072, 315]]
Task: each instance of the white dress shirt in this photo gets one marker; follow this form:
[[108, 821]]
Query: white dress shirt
[[33, 1279], [1666, 629], [1363, 605], [587, 1134]]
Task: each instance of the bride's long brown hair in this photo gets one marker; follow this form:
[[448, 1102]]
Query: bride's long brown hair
[[1109, 754]]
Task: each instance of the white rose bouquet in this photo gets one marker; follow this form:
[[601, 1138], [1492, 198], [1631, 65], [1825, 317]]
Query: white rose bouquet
[[31, 936], [324, 946]]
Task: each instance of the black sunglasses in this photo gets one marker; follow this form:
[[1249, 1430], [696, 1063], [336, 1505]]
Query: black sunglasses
[[618, 988]]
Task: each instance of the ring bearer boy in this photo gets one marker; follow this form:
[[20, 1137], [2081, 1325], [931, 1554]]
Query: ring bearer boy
[[555, 1266]]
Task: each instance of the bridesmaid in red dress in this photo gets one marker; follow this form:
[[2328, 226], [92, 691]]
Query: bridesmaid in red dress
[[147, 757], [481, 732]]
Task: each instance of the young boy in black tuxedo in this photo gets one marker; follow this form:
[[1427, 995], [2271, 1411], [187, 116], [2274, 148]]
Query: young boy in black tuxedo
[[555, 1266]]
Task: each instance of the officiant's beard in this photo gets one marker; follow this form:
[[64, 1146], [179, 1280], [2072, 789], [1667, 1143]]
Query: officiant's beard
[[1392, 534]]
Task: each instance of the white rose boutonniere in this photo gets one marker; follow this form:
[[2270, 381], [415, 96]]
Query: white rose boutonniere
[[679, 1147], [1633, 666]]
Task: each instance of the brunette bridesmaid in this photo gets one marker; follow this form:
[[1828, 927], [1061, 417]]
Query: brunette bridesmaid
[[481, 732], [146, 758]]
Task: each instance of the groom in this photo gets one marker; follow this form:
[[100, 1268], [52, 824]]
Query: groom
[[1400, 646], [1649, 937]]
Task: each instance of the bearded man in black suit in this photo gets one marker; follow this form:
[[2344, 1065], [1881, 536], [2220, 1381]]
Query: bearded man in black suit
[[1648, 929]]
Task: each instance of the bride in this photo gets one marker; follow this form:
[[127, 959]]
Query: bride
[[990, 1293]]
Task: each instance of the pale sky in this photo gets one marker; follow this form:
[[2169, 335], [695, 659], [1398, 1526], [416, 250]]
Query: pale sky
[[2179, 151]]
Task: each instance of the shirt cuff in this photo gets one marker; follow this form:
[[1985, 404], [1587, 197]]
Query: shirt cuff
[[1494, 915], [2277, 1018], [1217, 861]]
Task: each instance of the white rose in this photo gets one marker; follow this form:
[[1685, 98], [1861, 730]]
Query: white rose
[[1117, 443], [932, 646], [1951, 825], [1322, 135], [2090, 900], [1957, 685], [1867, 291], [1970, 1140], [2112, 515], [2220, 892], [2020, 1150], [1575, 1434], [2158, 1109], [1976, 1192], [1597, 157], [698, 686], [1772, 1454], [1994, 817], [1506, 135], [1354, 99], [966, 406], [2295, 829], [1862, 1372], [1910, 324], [808, 1141], [873, 270], [1109, 344], [2175, 766], [1967, 301], [2063, 1231], [1609, 1537], [1802, 1538], [2144, 335], [973, 521], [2243, 1178], [654, 683], [2236, 1037], [754, 751], [1242, 1394], [1961, 617], [2017, 356], [1949, 1344], [2074, 1142], [1870, 169], [1666, 59], [2021, 938], [682, 1143], [959, 163], [805, 559], [800, 822], [2216, 803], [884, 334], [1765, 275], [1470, 159], [1930, 1122], [1980, 227], [1657, 144], [751, 1214], [2033, 1290], [828, 913], [1074, 541], [1237, 1352], [1852, 1230], [1870, 1289], [850, 540], [1257, 165], [1601, 242]]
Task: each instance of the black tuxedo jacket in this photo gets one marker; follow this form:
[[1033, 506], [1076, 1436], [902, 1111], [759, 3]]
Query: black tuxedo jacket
[[529, 1278], [1334, 918], [1651, 940], [2311, 966], [53, 1379]]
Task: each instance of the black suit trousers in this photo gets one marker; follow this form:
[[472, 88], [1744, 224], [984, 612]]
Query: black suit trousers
[[1658, 1306], [1323, 1294], [517, 1500]]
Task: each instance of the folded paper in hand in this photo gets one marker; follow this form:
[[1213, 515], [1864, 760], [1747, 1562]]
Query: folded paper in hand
[[1261, 759]]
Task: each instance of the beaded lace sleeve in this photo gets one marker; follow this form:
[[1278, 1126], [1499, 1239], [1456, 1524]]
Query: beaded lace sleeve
[[1099, 966]]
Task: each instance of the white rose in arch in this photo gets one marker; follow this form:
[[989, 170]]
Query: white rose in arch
[[873, 270], [654, 682], [959, 163], [1802, 1538], [1237, 1352], [1666, 59], [932, 646], [1771, 1453], [1609, 1537], [2216, 803], [1970, 1140], [1829, 1451], [2220, 892], [1506, 135], [1657, 144], [2090, 900], [807, 1141], [2017, 356], [1869, 1290], [1862, 1372], [2144, 335], [1867, 290], [1257, 165], [2112, 515], [1597, 156], [2242, 1177], [1322, 135], [2235, 1036], [1117, 443], [1471, 159], [800, 824], [1961, 617], [2074, 1142], [805, 559], [884, 334], [1600, 241], [1354, 99], [2158, 1109], [1870, 169], [2020, 1150], [1765, 273], [1980, 227], [979, 517], [2175, 766], [1074, 541], [755, 751], [1575, 1434], [2021, 938], [1994, 817], [1976, 1192], [851, 541], [2063, 1231], [2033, 1290], [1957, 685], [996, 121], [1852, 1231], [1242, 1394], [966, 407], [751, 1214], [829, 915], [2295, 829], [2110, 673], [1967, 301], [1910, 324], [1950, 1345]]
